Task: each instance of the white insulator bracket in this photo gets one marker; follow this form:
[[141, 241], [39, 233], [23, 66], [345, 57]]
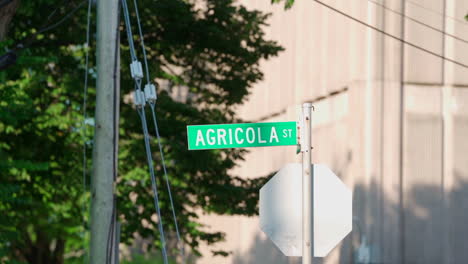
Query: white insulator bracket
[[136, 69], [150, 92], [139, 98]]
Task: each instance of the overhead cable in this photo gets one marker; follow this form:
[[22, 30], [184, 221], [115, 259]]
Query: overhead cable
[[10, 57], [179, 240], [110, 250], [151, 96], [418, 22], [149, 157], [462, 22], [142, 41], [140, 104], [65, 18], [43, 29], [83, 125], [392, 36], [128, 28]]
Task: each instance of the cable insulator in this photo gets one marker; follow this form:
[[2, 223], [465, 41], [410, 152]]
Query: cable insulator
[[139, 98], [150, 93], [137, 70]]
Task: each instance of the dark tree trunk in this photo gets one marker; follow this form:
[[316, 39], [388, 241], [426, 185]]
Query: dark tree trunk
[[7, 11], [41, 250], [59, 251]]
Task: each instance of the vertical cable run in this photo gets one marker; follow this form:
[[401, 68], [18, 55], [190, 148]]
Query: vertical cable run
[[149, 158], [110, 250], [142, 42], [129, 29], [141, 112], [179, 240], [83, 127], [152, 105]]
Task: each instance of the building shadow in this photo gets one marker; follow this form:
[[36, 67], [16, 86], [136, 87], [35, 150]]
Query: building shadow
[[264, 251], [431, 225], [427, 212]]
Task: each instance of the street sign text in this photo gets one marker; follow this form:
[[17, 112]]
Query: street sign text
[[241, 135]]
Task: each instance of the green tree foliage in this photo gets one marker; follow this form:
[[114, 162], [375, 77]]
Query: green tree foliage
[[287, 3], [211, 50]]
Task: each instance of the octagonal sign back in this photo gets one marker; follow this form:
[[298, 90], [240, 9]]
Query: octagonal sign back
[[281, 210]]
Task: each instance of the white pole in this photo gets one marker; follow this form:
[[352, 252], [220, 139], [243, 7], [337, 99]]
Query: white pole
[[106, 120], [307, 187]]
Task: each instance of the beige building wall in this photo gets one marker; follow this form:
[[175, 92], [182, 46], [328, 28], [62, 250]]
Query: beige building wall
[[390, 120]]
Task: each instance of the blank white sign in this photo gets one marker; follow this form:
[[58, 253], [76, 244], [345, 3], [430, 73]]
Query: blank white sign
[[281, 209]]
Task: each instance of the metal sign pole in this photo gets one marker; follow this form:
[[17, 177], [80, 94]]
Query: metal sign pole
[[307, 187]]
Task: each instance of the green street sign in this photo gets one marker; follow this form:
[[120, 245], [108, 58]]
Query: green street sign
[[241, 135]]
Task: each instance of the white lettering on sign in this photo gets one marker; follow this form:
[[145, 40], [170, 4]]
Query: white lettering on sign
[[273, 135], [241, 135], [260, 140], [237, 137], [286, 134], [200, 138], [221, 136], [252, 138], [211, 139]]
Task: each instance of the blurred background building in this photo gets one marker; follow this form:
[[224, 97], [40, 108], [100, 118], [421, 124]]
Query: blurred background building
[[390, 120]]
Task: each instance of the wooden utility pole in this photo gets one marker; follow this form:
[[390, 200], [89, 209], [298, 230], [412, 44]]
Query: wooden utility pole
[[106, 136]]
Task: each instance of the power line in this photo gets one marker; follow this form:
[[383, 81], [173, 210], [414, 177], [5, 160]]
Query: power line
[[179, 239], [129, 30], [149, 157], [151, 100], [29, 40], [418, 22], [65, 18], [152, 104], [142, 41], [392, 36], [9, 58], [84, 106], [463, 22], [52, 14], [112, 226], [137, 74]]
